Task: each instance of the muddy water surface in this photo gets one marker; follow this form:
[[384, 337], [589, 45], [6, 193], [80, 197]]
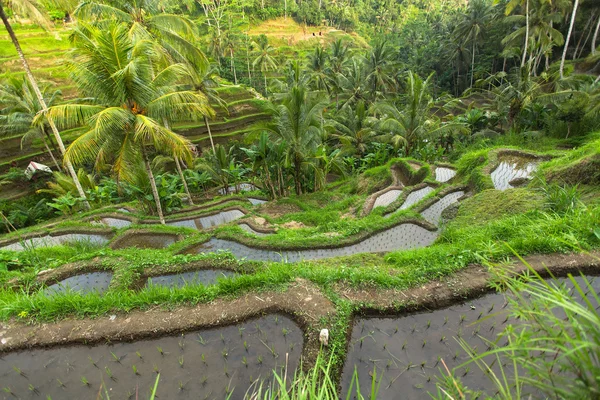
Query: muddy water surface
[[83, 283], [406, 350], [206, 364], [204, 277]]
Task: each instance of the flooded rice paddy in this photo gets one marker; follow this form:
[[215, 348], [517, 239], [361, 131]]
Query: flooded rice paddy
[[407, 350], [204, 364], [204, 277]]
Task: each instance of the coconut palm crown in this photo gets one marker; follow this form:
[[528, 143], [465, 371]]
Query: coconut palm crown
[[131, 92]]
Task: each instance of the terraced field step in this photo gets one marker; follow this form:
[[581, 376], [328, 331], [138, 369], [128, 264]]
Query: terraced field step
[[400, 237], [511, 168], [444, 174], [97, 282], [48, 241], [210, 221], [407, 350], [204, 277], [210, 363]]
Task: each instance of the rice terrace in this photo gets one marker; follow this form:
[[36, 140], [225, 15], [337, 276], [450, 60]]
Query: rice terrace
[[225, 199]]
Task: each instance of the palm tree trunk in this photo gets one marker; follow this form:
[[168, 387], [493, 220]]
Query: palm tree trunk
[[265, 76], [595, 37], [297, 176], [209, 134], [40, 98], [153, 185], [564, 54], [49, 139], [51, 154], [580, 47], [526, 34], [233, 67], [185, 186], [269, 180], [473, 63]]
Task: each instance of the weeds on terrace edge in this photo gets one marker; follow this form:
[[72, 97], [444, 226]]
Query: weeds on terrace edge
[[554, 350], [315, 384]]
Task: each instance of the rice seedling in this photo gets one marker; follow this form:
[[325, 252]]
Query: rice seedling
[[33, 389], [60, 383], [91, 360], [84, 381], [19, 371], [135, 370], [116, 358], [180, 361], [181, 386]]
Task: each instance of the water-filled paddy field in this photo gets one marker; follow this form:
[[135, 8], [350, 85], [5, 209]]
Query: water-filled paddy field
[[406, 352], [203, 364]]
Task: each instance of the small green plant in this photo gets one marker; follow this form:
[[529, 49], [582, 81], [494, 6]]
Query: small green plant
[[135, 370], [84, 381], [33, 389], [116, 358], [19, 371]]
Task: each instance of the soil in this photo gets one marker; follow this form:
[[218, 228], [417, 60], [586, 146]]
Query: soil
[[293, 225], [276, 210]]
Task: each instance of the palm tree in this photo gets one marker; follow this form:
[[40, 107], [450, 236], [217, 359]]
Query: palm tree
[[31, 9], [319, 78], [147, 19], [458, 54], [230, 43], [205, 82], [297, 122], [339, 57], [218, 165], [566, 47], [542, 34], [354, 83], [380, 66], [472, 25], [264, 59], [511, 6], [20, 107], [412, 121], [353, 128], [131, 97]]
